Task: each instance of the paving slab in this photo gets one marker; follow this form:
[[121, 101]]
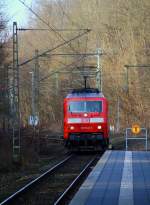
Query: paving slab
[[119, 178]]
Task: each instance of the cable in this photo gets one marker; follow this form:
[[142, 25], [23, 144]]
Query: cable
[[47, 76], [50, 27], [45, 29], [52, 49]]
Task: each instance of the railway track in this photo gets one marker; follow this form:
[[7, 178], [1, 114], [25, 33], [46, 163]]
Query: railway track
[[53, 186], [67, 195], [14, 197]]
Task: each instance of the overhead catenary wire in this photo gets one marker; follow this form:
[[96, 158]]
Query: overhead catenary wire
[[66, 42], [60, 54], [56, 71], [45, 29], [52, 28], [137, 66], [54, 48]]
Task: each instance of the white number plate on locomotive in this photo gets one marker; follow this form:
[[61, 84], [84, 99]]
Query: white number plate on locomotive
[[85, 120]]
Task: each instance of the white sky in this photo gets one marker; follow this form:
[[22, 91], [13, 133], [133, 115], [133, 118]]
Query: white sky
[[16, 11]]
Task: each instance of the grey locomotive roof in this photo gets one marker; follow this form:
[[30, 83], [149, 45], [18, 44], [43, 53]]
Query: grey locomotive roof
[[85, 93]]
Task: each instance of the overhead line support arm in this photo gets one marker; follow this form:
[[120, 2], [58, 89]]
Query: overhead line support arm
[[52, 49]]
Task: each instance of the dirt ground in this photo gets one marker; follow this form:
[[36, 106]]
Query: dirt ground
[[38, 154]]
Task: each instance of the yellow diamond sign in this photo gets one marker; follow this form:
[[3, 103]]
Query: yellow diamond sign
[[136, 129]]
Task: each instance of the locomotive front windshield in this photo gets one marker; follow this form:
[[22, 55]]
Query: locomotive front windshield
[[85, 106]]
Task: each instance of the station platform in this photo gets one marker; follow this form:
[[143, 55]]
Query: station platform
[[119, 178]]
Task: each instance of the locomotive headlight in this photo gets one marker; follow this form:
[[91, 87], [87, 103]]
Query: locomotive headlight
[[99, 127], [72, 127]]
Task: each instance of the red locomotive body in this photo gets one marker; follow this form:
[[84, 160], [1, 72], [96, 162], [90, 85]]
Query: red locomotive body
[[86, 119]]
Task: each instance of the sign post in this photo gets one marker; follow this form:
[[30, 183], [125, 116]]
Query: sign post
[[136, 130]]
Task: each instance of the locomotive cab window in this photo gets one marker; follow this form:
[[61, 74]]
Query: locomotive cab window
[[85, 106]]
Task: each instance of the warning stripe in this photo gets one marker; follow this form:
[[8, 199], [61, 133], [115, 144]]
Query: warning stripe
[[126, 188]]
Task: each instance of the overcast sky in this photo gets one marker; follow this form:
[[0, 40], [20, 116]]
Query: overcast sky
[[16, 11]]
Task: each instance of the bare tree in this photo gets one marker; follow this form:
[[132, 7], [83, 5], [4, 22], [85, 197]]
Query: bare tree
[[120, 28], [3, 70]]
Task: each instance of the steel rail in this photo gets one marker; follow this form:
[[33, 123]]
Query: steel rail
[[76, 181], [33, 182]]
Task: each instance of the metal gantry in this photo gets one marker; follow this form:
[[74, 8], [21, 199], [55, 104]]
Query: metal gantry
[[15, 95], [127, 72], [99, 71], [36, 76], [35, 91], [144, 137], [14, 89], [118, 116]]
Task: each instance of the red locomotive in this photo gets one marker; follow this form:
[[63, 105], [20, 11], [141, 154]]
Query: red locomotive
[[86, 119]]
